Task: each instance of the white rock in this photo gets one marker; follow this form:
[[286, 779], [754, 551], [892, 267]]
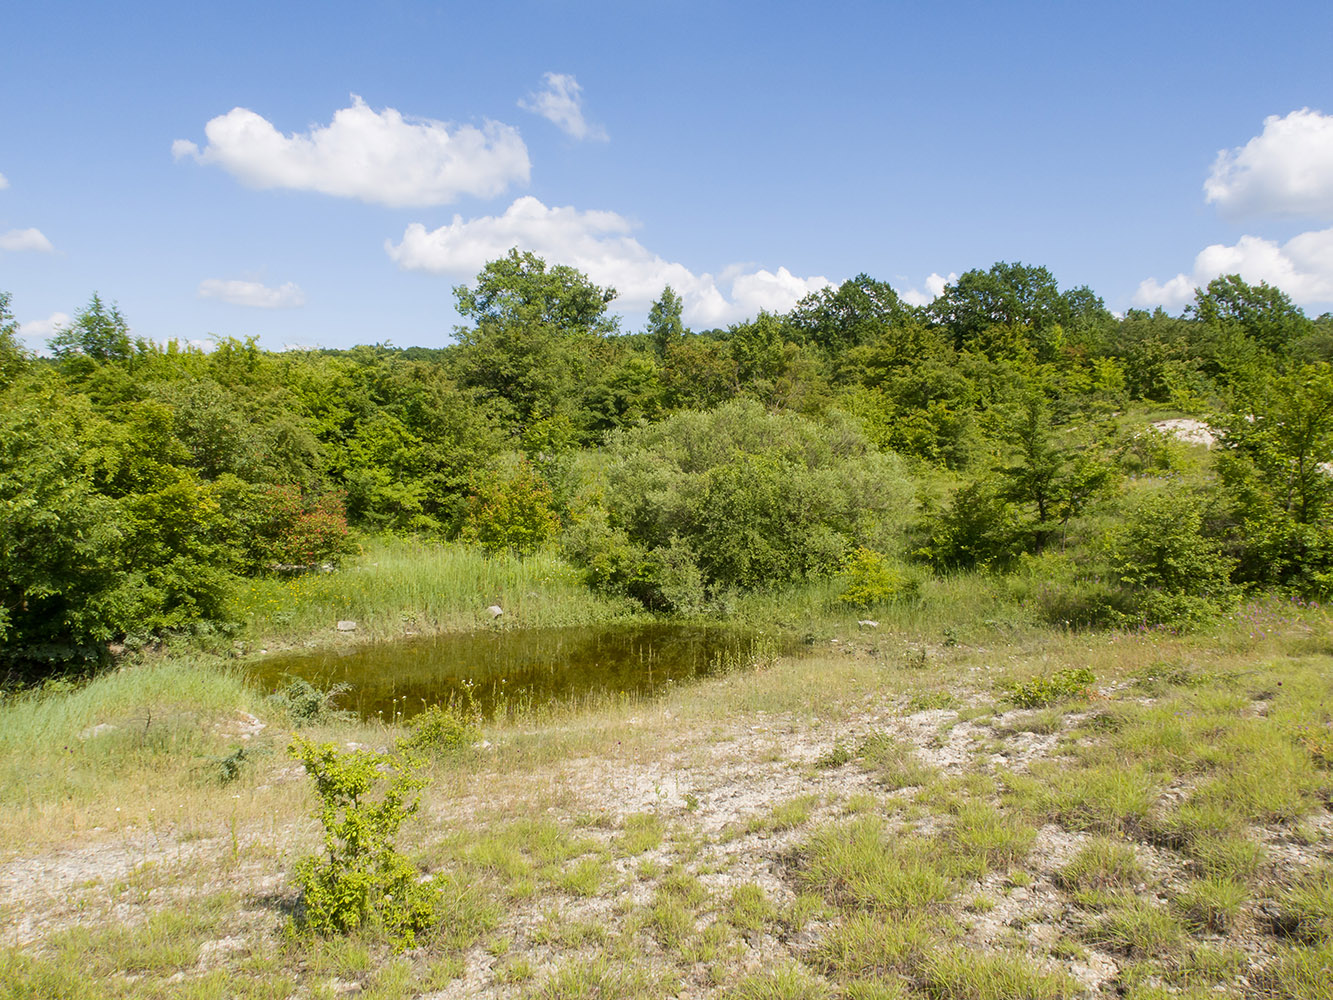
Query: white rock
[[495, 610], [346, 626]]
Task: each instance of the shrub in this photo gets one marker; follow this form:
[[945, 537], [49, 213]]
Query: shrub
[[301, 530], [362, 878], [1160, 552], [684, 511], [870, 581], [514, 512], [440, 730], [1039, 692]]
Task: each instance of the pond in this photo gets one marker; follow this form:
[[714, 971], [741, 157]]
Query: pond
[[504, 670]]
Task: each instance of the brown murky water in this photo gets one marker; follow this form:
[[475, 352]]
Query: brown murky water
[[504, 670]]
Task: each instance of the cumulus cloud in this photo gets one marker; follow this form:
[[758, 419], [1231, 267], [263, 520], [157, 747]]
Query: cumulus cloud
[[25, 239], [934, 289], [4, 182], [39, 328], [376, 156], [561, 101], [252, 293], [1302, 267], [600, 245], [1286, 170]]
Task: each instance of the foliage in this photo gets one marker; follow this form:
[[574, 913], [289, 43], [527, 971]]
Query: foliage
[[870, 581], [307, 704], [362, 878], [1162, 553], [701, 504], [441, 730], [512, 511], [1039, 692]]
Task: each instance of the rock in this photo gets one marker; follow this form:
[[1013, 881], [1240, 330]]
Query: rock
[[346, 626], [867, 623], [94, 731], [495, 610]]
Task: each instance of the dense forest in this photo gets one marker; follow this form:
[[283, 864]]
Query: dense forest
[[1005, 429]]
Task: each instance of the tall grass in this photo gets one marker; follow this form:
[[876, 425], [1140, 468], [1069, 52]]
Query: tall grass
[[398, 586]]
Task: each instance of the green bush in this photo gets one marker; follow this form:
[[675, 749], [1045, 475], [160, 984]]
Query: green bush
[[512, 512], [361, 878], [1160, 553], [682, 512], [440, 730], [1042, 691], [869, 581]]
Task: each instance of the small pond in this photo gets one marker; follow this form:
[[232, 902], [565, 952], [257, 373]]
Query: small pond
[[504, 670]]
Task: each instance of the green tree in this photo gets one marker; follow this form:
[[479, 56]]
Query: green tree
[[665, 326], [1262, 313], [13, 358], [97, 333], [857, 312], [519, 287]]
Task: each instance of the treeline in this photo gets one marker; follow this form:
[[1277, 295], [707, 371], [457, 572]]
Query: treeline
[[1001, 428]]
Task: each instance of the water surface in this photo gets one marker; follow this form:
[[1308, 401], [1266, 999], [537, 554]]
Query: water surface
[[506, 669]]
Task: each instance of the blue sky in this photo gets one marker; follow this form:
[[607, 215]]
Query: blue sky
[[325, 173]]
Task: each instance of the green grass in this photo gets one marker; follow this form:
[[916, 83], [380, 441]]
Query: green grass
[[859, 864], [400, 585], [893, 763], [1101, 864]]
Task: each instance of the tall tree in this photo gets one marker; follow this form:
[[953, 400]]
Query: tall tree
[[664, 321], [97, 332]]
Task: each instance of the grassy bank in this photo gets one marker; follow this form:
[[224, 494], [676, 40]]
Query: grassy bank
[[401, 586], [993, 812]]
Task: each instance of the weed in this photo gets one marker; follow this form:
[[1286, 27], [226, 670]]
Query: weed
[[857, 864], [642, 832], [1137, 928], [307, 705], [867, 945], [788, 982], [1305, 911], [784, 815], [750, 908], [930, 701], [835, 756], [441, 731], [964, 975], [1039, 692]]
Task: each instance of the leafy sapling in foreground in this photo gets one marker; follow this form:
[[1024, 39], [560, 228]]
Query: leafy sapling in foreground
[[362, 879]]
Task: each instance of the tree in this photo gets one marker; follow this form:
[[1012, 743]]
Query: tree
[[857, 312], [1262, 313], [1016, 296], [519, 288], [13, 358], [664, 321], [97, 332]]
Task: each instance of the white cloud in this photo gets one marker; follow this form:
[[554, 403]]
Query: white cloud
[[1302, 267], [934, 289], [378, 157], [600, 245], [1285, 170], [25, 239], [44, 327], [4, 182], [561, 101], [252, 293]]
